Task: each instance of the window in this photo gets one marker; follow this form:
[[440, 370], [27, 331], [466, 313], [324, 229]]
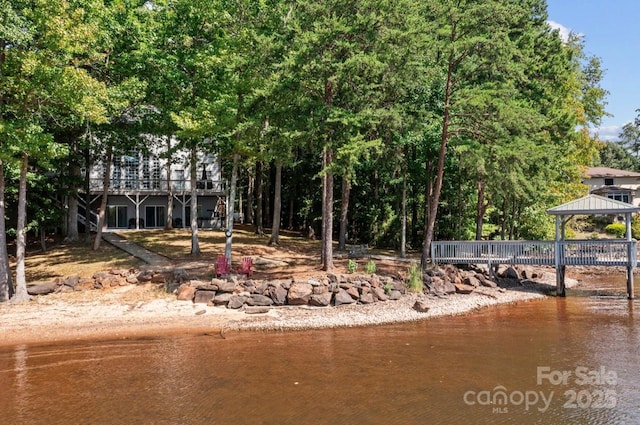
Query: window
[[155, 216], [608, 182], [620, 196], [117, 216]]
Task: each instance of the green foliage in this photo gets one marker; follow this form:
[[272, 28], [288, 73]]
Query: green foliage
[[635, 227], [616, 229], [352, 266], [370, 267], [387, 288], [415, 282]]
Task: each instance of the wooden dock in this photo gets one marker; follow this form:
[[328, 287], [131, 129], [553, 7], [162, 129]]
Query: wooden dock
[[562, 253]]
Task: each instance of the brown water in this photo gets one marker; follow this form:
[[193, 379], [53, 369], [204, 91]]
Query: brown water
[[438, 371]]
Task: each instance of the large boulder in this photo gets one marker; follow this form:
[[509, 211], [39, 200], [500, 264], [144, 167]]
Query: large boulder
[[278, 294], [321, 300], [259, 300], [185, 292], [42, 288], [203, 296], [300, 293], [343, 297]]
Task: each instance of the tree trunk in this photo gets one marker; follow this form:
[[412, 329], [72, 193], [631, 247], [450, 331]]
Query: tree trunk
[[403, 230], [87, 196], [327, 211], [231, 206], [72, 216], [102, 214], [169, 224], [434, 197], [195, 244], [251, 178], [344, 210], [259, 190], [277, 206], [481, 208], [21, 294], [6, 285]]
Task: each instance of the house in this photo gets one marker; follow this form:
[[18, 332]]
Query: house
[[142, 182], [611, 183]]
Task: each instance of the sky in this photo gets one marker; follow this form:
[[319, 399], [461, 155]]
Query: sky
[[611, 31]]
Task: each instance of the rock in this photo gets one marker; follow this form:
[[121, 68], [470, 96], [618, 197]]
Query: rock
[[158, 278], [421, 306], [322, 289], [461, 288], [300, 293], [222, 298], [259, 300], [488, 283], [342, 297], [367, 298], [132, 280], [398, 286], [143, 277], [379, 294], [395, 295], [471, 281], [278, 294], [41, 288], [256, 310], [449, 287], [203, 296], [85, 283], [353, 291], [185, 292], [72, 281], [510, 273], [321, 300], [236, 301], [225, 285]]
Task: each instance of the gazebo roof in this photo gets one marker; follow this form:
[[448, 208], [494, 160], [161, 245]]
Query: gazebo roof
[[593, 204]]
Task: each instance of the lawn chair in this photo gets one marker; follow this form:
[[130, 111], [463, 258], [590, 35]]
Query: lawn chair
[[222, 266], [245, 268]]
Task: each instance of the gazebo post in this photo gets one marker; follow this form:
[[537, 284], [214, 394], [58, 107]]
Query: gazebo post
[[631, 257], [560, 289]]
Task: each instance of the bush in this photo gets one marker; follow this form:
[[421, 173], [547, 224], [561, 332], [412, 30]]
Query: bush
[[415, 278], [635, 227], [370, 267], [352, 266], [616, 229]]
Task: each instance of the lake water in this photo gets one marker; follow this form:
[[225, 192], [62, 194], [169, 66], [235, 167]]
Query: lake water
[[555, 361]]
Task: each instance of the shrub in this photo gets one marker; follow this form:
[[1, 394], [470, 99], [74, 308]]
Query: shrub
[[617, 229], [415, 278], [370, 267], [635, 226], [352, 266]]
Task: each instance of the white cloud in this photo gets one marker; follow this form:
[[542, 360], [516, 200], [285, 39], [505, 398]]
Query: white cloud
[[564, 31], [607, 133]]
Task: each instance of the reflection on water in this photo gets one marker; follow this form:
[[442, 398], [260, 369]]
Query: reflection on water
[[439, 371]]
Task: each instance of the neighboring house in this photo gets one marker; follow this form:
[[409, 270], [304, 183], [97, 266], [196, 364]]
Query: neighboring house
[[615, 184], [140, 185]]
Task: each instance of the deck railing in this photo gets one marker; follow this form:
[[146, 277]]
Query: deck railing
[[611, 252], [157, 185]]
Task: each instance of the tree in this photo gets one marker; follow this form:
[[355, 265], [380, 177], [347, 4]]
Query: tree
[[630, 136], [340, 58], [613, 155]]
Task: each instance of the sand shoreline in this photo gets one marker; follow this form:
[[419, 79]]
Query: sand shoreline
[[119, 315]]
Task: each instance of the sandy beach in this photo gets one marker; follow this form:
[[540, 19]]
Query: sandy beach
[[136, 311]]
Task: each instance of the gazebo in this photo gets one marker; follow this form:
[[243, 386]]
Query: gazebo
[[592, 205]]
